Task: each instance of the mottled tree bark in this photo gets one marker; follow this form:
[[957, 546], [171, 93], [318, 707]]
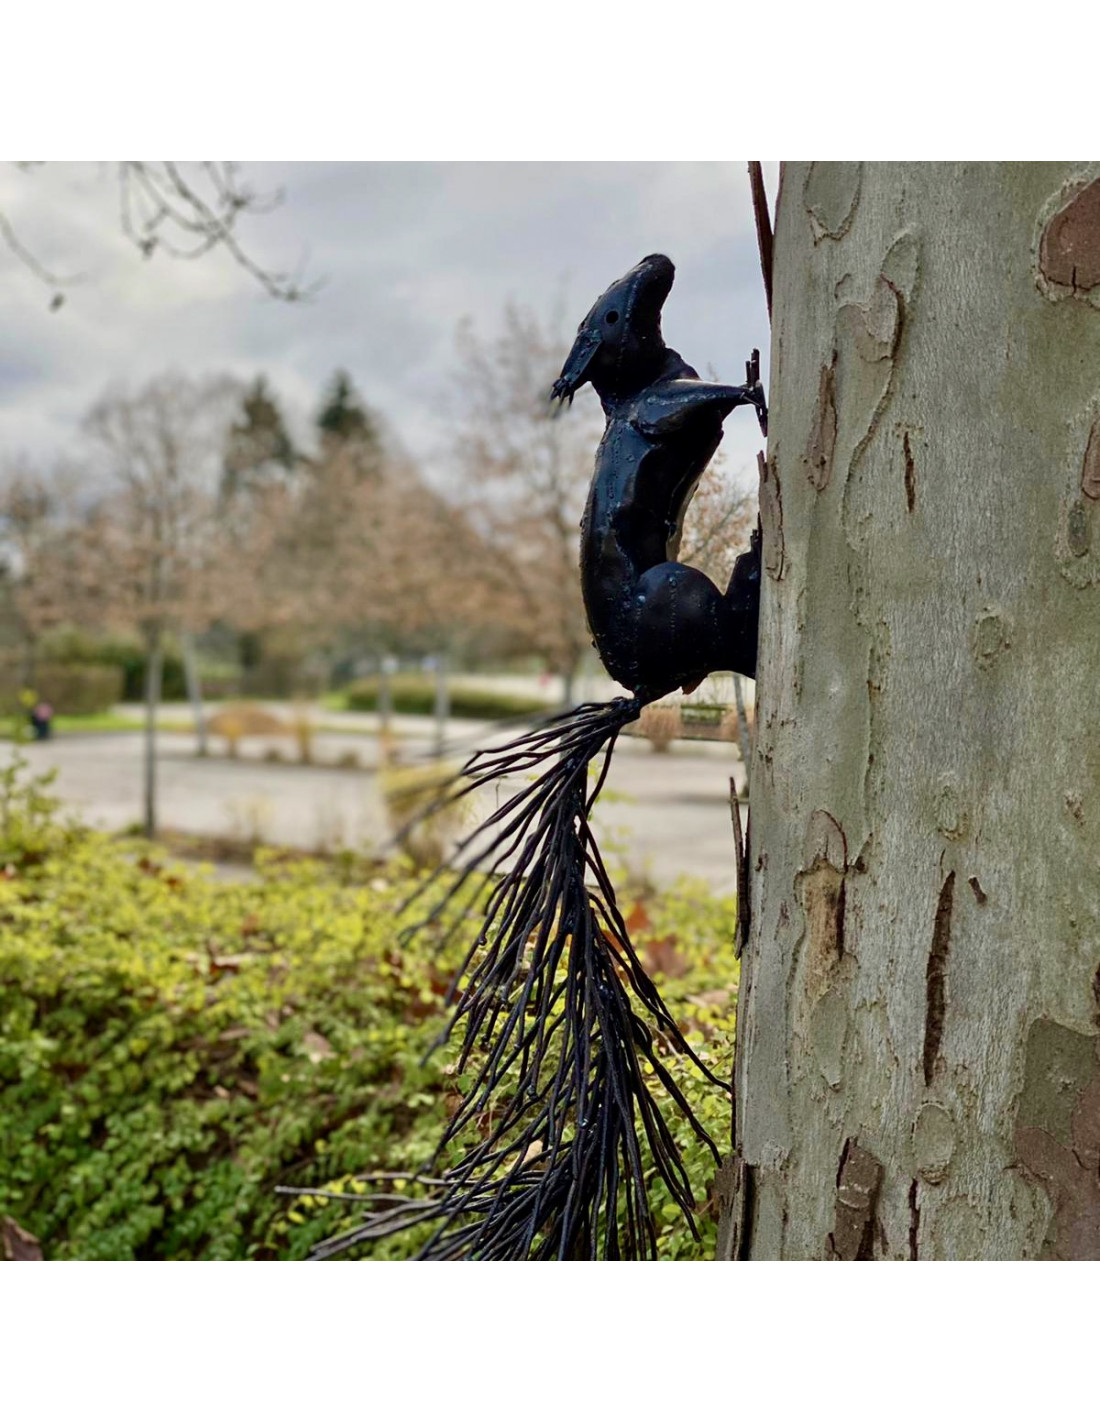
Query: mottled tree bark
[[918, 1074], [194, 690]]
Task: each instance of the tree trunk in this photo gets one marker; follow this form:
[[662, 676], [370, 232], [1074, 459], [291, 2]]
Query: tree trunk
[[194, 690], [442, 703], [154, 655], [917, 1073], [385, 695]]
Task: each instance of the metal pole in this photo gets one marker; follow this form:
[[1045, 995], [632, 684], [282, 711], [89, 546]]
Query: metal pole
[[385, 695], [194, 688], [153, 663]]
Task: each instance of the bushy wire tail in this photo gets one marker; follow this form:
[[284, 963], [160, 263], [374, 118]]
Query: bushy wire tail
[[561, 1028]]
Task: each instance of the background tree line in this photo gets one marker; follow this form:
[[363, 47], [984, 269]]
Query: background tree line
[[187, 513]]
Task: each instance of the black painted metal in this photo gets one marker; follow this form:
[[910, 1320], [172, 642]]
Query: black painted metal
[[562, 1030], [657, 623]]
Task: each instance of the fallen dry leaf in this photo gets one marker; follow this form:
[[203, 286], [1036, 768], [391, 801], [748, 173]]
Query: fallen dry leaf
[[18, 1244]]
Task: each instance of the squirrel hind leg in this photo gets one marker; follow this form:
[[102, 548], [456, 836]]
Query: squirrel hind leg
[[686, 628], [683, 628]]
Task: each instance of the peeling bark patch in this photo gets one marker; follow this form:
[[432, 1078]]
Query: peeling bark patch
[[831, 196], [952, 820], [1073, 1191], [858, 1180], [828, 1035], [822, 894], [991, 636], [1096, 995], [821, 891], [1090, 469], [1078, 533], [934, 1142], [1075, 545], [936, 978], [979, 893], [874, 328], [825, 842], [1059, 1064], [866, 339], [914, 1222], [771, 518], [901, 265], [1058, 1134], [1069, 249], [1086, 1128], [819, 451], [910, 475]]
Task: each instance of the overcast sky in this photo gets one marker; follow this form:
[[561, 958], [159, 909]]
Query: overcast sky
[[405, 251]]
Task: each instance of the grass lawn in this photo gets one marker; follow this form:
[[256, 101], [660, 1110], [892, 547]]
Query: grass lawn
[[97, 721]]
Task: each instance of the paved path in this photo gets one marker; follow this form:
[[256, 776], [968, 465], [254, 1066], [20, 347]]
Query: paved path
[[663, 816]]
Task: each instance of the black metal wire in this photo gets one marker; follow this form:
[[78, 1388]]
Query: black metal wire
[[557, 1016]]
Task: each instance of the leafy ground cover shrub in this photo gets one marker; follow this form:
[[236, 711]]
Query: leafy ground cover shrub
[[415, 696], [173, 1046]]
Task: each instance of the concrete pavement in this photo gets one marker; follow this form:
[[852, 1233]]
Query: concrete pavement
[[660, 816]]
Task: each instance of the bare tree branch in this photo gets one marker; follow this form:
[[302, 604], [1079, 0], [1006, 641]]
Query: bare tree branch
[[162, 209], [51, 279]]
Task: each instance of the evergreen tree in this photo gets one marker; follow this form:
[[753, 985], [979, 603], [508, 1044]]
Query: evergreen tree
[[258, 446], [346, 425]]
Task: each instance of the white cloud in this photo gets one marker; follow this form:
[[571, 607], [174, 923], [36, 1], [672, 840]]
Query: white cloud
[[406, 251]]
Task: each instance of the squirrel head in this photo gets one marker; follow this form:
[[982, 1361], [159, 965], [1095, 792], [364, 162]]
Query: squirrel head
[[619, 347]]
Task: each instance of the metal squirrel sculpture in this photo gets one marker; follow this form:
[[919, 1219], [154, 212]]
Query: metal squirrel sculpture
[[557, 1014], [657, 624]]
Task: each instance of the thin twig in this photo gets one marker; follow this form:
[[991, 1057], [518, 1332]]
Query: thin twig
[[51, 279]]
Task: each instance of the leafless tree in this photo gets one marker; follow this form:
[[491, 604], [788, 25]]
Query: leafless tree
[[39, 556], [524, 475], [151, 544], [334, 560]]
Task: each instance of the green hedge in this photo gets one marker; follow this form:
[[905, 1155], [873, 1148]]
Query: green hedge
[[415, 696], [125, 657], [173, 1046], [70, 688]]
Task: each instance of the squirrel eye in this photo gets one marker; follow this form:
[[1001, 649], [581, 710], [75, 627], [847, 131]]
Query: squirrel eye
[[611, 317]]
